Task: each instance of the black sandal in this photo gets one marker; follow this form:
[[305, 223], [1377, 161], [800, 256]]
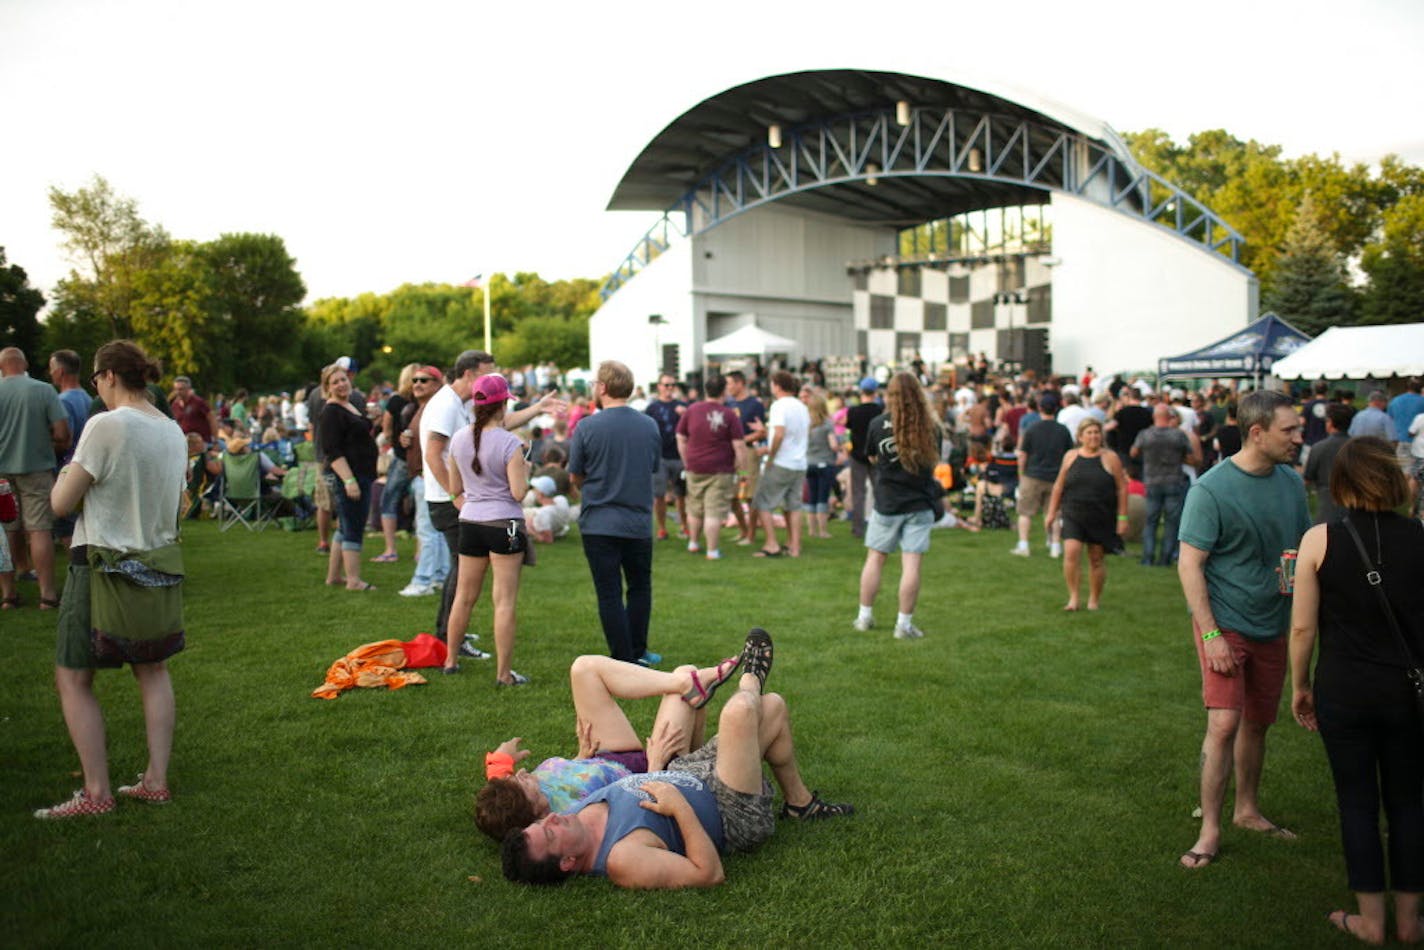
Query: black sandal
[[816, 808], [757, 655]]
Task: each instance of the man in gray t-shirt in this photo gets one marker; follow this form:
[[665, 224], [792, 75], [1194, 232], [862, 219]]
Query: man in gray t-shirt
[[1163, 449]]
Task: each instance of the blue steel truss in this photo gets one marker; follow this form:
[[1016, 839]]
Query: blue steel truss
[[937, 143]]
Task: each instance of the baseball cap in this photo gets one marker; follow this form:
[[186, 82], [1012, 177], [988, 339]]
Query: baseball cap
[[433, 373], [869, 384], [544, 485], [490, 389]]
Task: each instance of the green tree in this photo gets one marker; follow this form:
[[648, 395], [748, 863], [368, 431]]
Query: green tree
[[1309, 289], [19, 310], [171, 313], [108, 240], [253, 293], [1395, 265], [565, 341]]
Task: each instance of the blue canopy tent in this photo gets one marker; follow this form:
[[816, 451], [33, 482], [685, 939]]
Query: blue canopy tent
[[1248, 353]]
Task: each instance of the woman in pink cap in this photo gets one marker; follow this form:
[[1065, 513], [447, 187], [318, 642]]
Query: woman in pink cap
[[489, 476]]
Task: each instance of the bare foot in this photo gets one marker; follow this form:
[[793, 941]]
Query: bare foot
[[1357, 926], [1265, 826], [1408, 934], [1071, 606], [1093, 606]]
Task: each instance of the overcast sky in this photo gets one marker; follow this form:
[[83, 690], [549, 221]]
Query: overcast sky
[[429, 141]]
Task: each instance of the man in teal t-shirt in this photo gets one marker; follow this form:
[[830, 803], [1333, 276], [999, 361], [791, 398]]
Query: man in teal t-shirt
[[1240, 528]]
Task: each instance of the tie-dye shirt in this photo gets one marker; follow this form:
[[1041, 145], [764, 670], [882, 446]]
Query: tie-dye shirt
[[566, 782]]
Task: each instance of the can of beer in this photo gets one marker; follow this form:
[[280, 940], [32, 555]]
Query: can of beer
[[1287, 571]]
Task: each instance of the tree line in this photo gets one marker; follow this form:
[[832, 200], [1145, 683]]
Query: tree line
[[229, 312]]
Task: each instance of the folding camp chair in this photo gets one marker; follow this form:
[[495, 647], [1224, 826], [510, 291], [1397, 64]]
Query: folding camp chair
[[242, 493]]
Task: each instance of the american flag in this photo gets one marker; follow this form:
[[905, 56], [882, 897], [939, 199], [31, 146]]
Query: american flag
[[476, 282]]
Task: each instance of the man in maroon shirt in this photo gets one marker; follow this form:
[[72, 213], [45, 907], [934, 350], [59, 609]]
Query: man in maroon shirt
[[191, 411], [711, 442]]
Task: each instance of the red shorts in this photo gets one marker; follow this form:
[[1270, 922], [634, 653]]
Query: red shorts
[[1255, 688]]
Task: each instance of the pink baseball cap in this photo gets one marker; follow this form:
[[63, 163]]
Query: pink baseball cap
[[490, 389]]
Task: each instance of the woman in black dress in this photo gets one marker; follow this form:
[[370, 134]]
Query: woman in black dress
[[1361, 700], [1091, 494]]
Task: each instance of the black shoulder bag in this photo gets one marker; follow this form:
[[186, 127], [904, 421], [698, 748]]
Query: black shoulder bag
[[1412, 670]]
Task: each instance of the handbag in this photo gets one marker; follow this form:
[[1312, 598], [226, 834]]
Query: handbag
[[1412, 670]]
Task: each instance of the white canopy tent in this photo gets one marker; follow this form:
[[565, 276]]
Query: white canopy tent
[[1377, 352], [750, 340]]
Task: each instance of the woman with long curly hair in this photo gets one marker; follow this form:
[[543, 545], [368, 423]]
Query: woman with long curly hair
[[489, 476], [903, 446]]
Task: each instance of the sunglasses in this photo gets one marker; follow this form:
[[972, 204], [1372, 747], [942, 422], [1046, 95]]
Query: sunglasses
[[421, 379], [94, 379]]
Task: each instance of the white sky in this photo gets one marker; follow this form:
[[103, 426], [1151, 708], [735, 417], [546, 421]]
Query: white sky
[[429, 140]]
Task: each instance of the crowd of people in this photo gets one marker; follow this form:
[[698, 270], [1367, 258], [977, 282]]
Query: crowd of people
[[485, 465]]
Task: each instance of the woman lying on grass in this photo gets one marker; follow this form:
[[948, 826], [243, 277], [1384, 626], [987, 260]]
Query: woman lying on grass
[[608, 745]]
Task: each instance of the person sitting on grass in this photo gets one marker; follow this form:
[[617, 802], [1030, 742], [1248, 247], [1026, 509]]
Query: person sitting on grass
[[608, 745], [551, 515], [668, 829]]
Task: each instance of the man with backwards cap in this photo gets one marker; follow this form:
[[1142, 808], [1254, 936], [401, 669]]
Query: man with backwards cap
[[858, 419]]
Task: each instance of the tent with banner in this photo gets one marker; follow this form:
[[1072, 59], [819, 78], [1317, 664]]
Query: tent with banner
[[1248, 353], [1374, 352]]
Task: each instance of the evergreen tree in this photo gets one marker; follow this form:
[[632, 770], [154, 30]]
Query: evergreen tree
[[1309, 288], [1395, 265], [19, 310]]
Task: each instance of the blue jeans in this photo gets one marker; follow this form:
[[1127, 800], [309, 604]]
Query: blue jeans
[[612, 560], [1164, 503], [820, 479], [434, 562], [353, 513], [397, 481]]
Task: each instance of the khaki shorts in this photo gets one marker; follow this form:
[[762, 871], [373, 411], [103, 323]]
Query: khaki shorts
[[1033, 495], [709, 496], [779, 488], [32, 492], [322, 496]]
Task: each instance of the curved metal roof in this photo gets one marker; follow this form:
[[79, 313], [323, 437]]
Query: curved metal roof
[[703, 138]]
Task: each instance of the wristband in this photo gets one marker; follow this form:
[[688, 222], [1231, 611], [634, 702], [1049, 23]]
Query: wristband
[[348, 481], [498, 765], [1211, 634], [1122, 517]]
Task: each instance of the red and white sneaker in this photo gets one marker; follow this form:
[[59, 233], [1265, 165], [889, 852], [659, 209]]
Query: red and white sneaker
[[77, 807], [141, 792]]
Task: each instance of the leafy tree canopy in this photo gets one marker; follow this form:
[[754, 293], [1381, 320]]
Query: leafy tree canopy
[[19, 310]]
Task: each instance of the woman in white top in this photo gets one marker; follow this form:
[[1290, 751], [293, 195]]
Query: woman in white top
[[123, 594]]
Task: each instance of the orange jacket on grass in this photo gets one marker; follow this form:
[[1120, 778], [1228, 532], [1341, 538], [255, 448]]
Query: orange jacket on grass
[[368, 666]]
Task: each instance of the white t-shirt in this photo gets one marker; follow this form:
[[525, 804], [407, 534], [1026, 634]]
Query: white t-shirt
[[556, 517], [444, 414], [1189, 417], [1071, 417], [1416, 429], [790, 413], [139, 461]]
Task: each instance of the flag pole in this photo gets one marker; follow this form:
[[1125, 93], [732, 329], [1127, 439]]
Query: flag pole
[[486, 292]]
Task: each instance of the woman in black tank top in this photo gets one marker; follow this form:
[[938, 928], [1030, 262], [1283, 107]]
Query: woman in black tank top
[[1361, 701]]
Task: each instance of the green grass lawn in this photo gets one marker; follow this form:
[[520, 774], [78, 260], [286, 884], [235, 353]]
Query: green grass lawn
[[1023, 777]]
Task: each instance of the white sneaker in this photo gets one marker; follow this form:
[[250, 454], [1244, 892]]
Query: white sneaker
[[1020, 551], [908, 631], [692, 547], [1055, 550], [863, 623], [714, 555], [416, 590]]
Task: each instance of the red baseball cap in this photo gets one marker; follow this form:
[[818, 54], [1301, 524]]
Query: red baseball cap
[[490, 389]]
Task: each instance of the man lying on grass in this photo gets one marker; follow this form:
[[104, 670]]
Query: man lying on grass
[[668, 829], [609, 748]]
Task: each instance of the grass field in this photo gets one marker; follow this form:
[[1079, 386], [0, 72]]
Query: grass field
[[1023, 777]]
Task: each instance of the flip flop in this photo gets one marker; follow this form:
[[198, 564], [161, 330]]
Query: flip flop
[[765, 553], [49, 603], [385, 559], [11, 603], [701, 693], [1272, 830], [1200, 859], [365, 586]]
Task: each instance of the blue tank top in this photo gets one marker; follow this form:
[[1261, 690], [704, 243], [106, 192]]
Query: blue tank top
[[625, 815]]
